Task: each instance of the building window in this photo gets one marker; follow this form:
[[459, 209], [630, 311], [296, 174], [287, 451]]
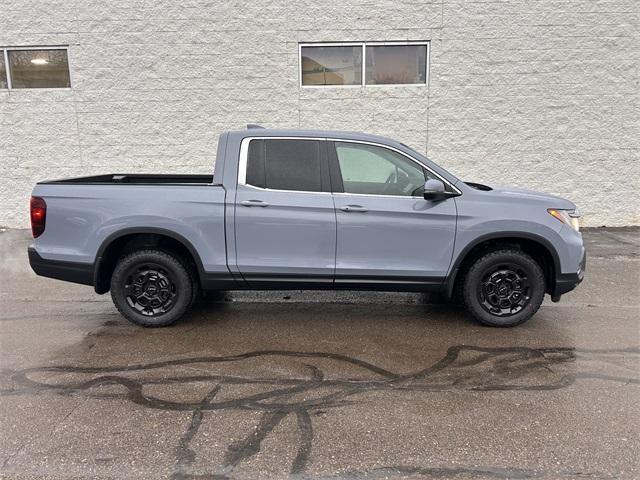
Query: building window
[[396, 64], [3, 73], [331, 65], [364, 63], [41, 67]]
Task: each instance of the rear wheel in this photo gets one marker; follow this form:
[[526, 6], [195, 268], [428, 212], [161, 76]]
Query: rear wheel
[[152, 288], [504, 288]]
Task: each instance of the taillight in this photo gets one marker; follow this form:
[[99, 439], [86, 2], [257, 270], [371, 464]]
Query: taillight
[[38, 216]]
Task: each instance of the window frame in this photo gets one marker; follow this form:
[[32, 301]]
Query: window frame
[[244, 157], [364, 45], [7, 77], [5, 53]]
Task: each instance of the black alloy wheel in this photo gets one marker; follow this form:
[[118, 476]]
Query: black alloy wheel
[[503, 288], [152, 288]]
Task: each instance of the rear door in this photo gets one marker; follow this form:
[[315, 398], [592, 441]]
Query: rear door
[[285, 225], [386, 231]]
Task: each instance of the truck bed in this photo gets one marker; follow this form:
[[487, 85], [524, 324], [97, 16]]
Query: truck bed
[[135, 179]]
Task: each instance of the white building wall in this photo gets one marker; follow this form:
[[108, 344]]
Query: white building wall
[[538, 94]]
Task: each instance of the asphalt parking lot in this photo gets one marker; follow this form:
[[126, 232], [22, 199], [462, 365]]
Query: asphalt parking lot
[[321, 385]]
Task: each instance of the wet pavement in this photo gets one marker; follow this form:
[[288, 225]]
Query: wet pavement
[[321, 385]]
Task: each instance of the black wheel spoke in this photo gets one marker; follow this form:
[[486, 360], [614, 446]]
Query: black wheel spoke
[[150, 289], [504, 290]]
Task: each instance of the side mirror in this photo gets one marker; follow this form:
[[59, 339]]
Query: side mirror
[[434, 190]]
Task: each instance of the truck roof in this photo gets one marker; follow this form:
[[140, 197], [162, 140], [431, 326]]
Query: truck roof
[[257, 131]]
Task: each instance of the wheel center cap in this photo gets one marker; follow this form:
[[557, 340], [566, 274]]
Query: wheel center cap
[[152, 289], [503, 289]]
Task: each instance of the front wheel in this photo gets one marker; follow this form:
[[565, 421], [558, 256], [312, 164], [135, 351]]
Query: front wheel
[[504, 288], [151, 288]]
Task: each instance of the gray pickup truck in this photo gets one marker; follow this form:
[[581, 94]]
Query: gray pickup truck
[[293, 209]]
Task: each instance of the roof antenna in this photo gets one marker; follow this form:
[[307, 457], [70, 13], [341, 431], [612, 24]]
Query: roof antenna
[[252, 126]]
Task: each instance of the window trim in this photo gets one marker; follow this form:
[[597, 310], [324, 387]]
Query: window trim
[[363, 46], [5, 53], [244, 151], [7, 75]]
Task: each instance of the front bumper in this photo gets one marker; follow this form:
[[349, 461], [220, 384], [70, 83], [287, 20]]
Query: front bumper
[[58, 269], [565, 282]]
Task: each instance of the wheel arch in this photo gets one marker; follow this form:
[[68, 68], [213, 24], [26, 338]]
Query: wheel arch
[[537, 246], [129, 239]]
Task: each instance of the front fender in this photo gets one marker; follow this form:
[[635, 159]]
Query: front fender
[[471, 235]]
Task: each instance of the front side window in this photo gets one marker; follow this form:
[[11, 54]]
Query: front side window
[[47, 68], [282, 164], [373, 170], [329, 65]]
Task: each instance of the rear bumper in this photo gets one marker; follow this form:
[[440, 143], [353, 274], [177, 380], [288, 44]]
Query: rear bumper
[[565, 282], [60, 270]]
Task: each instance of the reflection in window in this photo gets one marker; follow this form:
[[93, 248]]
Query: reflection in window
[[373, 170], [3, 72], [396, 64], [387, 63], [39, 69], [332, 65]]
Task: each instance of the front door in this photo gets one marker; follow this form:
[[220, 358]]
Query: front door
[[285, 225], [386, 231]]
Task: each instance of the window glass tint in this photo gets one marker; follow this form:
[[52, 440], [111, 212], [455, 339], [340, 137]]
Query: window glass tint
[[3, 72], [372, 170], [39, 69], [332, 65], [255, 164], [284, 164], [396, 64]]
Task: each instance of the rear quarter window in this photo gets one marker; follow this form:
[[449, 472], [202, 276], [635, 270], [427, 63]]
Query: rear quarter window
[[283, 164]]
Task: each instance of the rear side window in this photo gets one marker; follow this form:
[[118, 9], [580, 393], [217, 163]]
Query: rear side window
[[281, 164]]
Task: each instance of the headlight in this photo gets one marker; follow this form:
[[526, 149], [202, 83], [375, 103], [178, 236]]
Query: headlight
[[570, 217]]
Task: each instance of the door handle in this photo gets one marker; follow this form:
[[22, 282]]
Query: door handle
[[354, 208], [254, 203]]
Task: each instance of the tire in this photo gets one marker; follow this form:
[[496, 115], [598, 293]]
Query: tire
[[504, 288], [196, 292], [152, 288]]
